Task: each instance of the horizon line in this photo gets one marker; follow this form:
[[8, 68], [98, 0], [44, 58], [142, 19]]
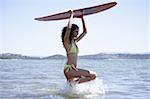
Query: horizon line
[[82, 55]]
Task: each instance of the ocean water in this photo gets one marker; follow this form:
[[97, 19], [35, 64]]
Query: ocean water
[[44, 79]]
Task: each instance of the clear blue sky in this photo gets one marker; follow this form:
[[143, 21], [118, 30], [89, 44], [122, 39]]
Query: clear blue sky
[[124, 28]]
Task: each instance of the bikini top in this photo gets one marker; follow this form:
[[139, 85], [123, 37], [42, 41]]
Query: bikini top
[[73, 49]]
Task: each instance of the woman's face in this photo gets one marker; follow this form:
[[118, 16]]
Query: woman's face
[[75, 32]]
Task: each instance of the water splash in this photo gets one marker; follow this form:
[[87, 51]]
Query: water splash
[[88, 89]]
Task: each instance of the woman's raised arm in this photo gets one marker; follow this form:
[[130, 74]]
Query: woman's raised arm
[[67, 34], [84, 29]]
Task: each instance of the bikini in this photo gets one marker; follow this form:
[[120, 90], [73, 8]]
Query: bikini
[[74, 49]]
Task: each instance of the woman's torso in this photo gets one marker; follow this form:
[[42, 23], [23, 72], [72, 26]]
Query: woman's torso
[[72, 53]]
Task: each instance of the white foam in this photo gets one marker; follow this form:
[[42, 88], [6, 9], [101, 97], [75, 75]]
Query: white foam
[[95, 87]]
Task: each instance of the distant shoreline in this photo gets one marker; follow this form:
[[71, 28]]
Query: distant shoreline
[[94, 56]]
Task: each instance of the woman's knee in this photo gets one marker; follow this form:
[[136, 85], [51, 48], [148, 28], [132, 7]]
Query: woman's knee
[[93, 76]]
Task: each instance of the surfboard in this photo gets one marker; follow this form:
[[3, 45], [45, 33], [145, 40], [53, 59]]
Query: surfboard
[[77, 12]]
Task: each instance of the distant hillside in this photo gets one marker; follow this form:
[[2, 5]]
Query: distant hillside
[[54, 57], [16, 56], [117, 56], [96, 56]]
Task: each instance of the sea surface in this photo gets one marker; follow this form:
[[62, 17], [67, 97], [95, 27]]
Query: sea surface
[[44, 79]]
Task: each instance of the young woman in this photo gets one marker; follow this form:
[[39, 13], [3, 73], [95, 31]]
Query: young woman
[[70, 38]]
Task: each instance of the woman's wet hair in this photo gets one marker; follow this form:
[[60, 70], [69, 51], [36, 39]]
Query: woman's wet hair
[[73, 28]]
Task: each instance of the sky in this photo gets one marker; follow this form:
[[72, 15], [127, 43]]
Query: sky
[[121, 29]]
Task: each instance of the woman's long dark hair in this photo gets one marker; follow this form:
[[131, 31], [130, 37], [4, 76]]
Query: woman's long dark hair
[[74, 27]]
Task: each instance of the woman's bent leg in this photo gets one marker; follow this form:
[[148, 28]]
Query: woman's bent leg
[[81, 74], [86, 76]]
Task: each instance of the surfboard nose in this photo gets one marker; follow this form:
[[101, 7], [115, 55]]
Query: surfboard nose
[[115, 3]]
